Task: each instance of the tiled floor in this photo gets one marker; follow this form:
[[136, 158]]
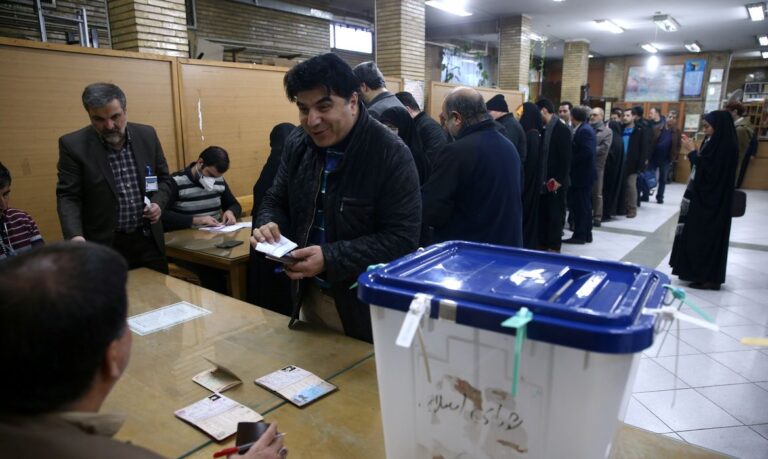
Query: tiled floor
[[700, 386]]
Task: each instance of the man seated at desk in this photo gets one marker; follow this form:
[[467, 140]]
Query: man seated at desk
[[64, 332], [199, 194]]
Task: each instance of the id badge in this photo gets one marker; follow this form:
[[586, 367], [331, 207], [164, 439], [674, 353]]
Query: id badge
[[150, 181]]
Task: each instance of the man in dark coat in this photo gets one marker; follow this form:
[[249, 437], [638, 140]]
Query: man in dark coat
[[106, 171], [346, 192], [433, 138], [583, 176], [373, 89], [637, 144], [497, 107], [556, 159], [475, 194]]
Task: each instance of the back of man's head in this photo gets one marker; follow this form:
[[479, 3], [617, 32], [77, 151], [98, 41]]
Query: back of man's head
[[100, 94], [216, 157], [61, 306], [638, 111], [468, 103], [369, 73], [580, 113], [408, 101], [738, 106], [327, 71], [546, 104], [5, 176]]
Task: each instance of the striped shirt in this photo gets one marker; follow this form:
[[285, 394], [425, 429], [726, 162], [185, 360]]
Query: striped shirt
[[18, 233], [195, 200]]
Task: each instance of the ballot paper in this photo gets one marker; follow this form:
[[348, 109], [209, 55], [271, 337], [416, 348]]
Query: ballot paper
[[217, 379], [217, 415], [296, 385], [277, 249], [226, 228], [165, 317]]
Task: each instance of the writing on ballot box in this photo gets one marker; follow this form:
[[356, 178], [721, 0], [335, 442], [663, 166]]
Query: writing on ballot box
[[495, 352]]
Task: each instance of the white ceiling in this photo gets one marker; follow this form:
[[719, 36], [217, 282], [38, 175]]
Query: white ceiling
[[718, 25]]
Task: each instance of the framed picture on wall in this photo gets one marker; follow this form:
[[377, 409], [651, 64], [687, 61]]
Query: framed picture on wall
[[694, 77], [716, 76], [661, 84]]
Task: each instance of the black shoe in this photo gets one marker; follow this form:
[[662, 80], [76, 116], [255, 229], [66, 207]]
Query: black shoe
[[596, 223], [644, 199], [589, 238], [607, 219], [659, 201], [572, 240]]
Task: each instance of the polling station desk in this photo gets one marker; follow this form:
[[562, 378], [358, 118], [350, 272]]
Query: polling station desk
[[247, 339], [347, 425], [199, 247]]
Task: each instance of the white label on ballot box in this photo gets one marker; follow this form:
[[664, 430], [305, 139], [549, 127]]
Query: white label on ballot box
[[165, 317], [218, 415]]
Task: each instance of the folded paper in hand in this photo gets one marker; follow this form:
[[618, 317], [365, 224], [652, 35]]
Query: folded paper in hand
[[277, 249]]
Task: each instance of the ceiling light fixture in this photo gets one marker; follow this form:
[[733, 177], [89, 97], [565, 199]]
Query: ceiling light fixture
[[591, 56], [756, 11], [693, 47], [666, 23], [449, 6], [653, 63], [765, 54], [649, 48], [610, 26], [763, 40]]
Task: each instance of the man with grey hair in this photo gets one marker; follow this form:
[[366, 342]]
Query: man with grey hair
[[113, 181], [375, 94], [604, 137], [474, 194]]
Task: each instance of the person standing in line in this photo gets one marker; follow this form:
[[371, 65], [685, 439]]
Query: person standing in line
[[604, 137]]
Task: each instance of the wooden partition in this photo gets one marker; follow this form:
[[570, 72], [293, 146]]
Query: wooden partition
[[438, 91], [234, 106], [394, 85], [40, 100]]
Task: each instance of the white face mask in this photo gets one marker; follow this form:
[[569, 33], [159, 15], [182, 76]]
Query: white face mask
[[207, 182]]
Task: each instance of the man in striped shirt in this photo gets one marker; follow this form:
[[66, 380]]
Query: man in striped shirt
[[18, 232]]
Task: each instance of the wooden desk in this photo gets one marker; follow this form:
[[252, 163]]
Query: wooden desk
[[199, 247], [347, 424], [247, 339]]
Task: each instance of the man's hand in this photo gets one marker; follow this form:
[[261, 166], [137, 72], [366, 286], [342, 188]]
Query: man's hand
[[265, 233], [311, 263], [268, 447], [205, 220], [78, 239], [228, 218], [152, 213]]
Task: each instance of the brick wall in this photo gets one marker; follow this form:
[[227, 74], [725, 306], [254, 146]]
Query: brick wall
[[351, 57], [400, 43], [575, 68], [18, 20], [514, 52], [150, 26], [264, 33]]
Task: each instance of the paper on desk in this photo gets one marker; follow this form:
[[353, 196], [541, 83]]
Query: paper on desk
[[217, 379], [165, 317], [278, 249], [296, 385], [217, 415], [226, 228]]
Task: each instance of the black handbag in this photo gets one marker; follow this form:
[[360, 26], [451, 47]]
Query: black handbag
[[739, 205]]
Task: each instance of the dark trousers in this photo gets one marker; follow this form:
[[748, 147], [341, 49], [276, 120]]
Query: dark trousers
[[663, 169], [140, 251], [581, 209], [551, 219]]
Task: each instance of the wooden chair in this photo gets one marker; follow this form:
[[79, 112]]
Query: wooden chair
[[246, 202]]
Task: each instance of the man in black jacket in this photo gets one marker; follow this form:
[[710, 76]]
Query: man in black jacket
[[582, 176], [475, 194], [556, 158], [346, 191], [373, 89], [637, 144], [432, 136], [497, 107]]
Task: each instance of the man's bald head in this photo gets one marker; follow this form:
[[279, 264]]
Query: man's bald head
[[463, 107]]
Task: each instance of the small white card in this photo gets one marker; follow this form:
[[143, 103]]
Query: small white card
[[296, 385], [217, 379], [165, 317], [217, 415], [227, 228], [278, 249]]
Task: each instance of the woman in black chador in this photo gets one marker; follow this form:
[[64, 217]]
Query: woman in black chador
[[700, 251], [533, 179]]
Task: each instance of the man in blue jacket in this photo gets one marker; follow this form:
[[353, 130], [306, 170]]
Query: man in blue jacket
[[475, 192], [583, 176]]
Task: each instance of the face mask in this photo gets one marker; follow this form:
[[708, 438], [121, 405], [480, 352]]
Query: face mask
[[206, 182]]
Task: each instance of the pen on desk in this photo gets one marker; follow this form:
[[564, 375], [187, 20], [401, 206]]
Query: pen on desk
[[242, 449]]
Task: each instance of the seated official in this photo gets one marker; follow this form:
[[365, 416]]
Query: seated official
[[64, 334], [199, 194], [18, 232]]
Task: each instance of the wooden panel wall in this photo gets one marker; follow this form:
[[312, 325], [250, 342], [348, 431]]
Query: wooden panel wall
[[40, 89], [394, 85], [438, 91]]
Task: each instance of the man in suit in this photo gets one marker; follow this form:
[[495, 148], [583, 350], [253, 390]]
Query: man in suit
[[106, 173], [582, 176]]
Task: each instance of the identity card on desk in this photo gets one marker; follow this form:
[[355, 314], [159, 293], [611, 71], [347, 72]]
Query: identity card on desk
[[165, 317], [217, 415], [296, 385], [217, 379]]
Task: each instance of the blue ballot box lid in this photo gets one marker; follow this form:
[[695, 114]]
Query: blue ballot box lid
[[578, 302]]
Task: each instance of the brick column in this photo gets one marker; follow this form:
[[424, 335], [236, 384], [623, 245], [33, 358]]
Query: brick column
[[150, 26], [575, 69], [514, 52], [400, 51], [613, 79]]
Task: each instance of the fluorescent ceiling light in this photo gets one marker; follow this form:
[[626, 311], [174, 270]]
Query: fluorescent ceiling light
[[763, 40], [650, 48], [666, 23], [449, 6], [693, 47], [756, 11], [610, 26], [536, 37], [591, 56], [653, 63]]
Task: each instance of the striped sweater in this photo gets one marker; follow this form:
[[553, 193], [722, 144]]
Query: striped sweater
[[189, 199], [18, 233]]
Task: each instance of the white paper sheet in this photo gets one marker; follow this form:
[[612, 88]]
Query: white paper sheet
[[278, 249], [165, 317], [225, 229]]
